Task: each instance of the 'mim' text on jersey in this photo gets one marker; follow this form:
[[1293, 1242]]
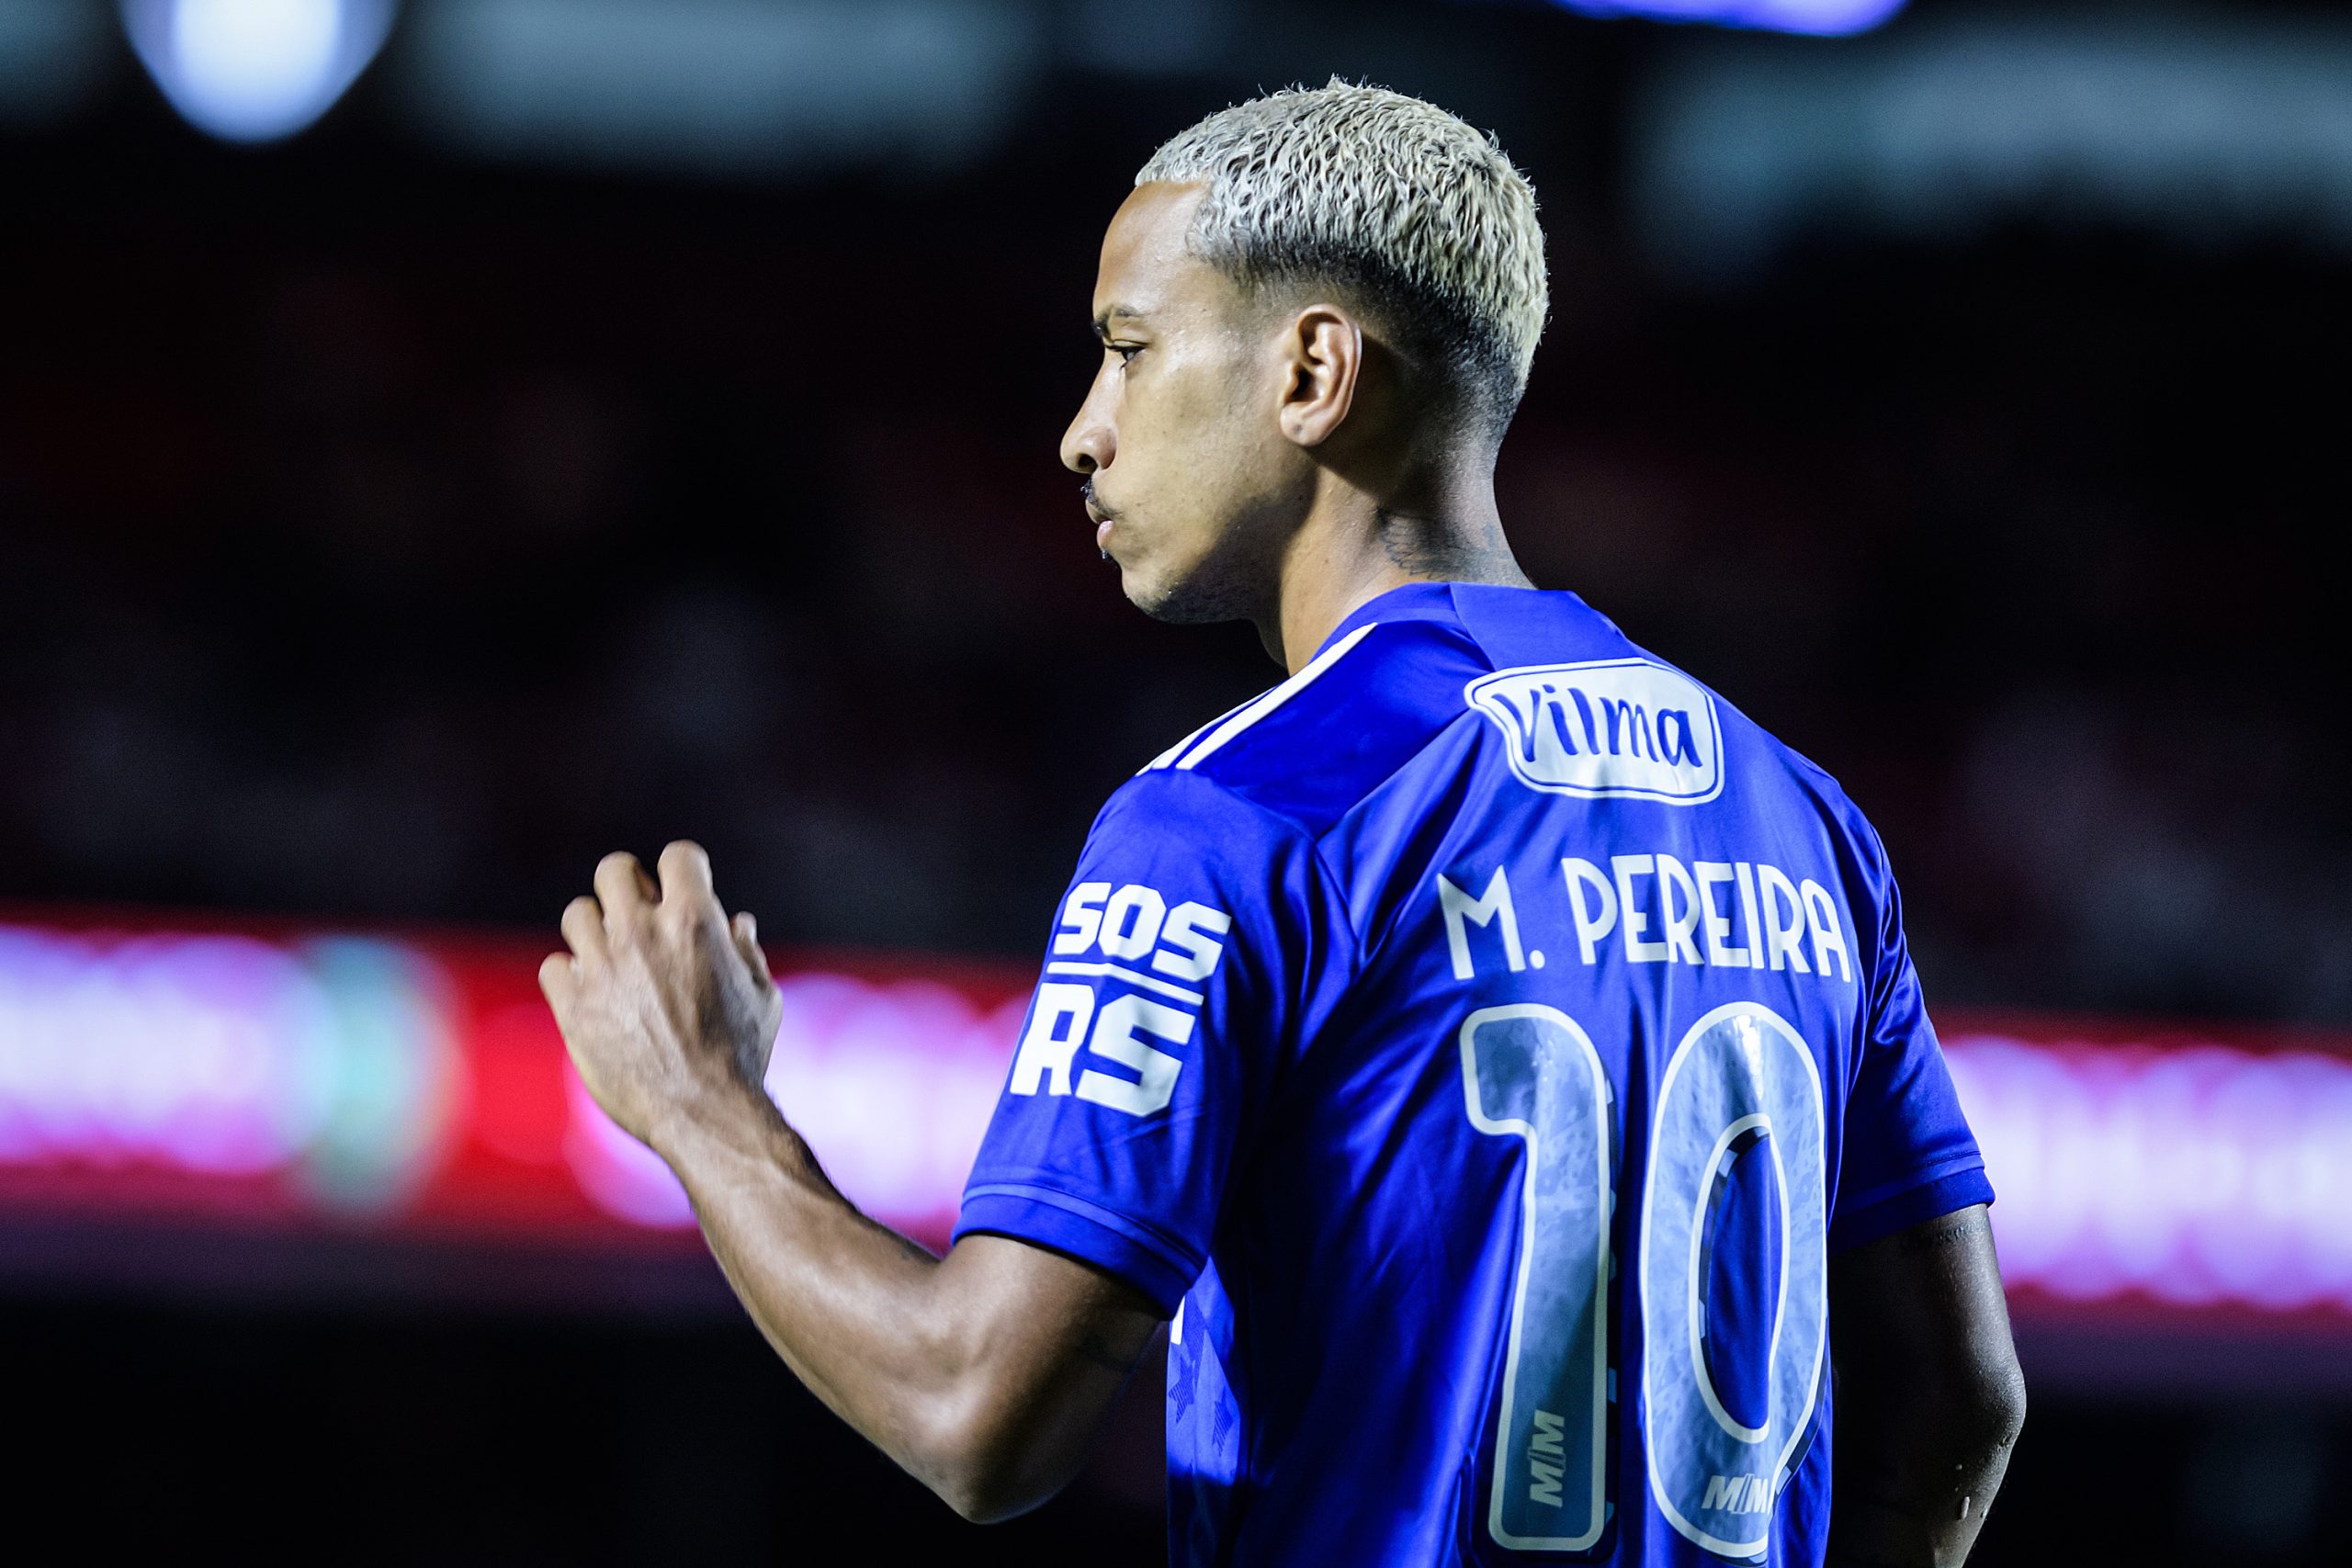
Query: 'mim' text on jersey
[[1726, 914]]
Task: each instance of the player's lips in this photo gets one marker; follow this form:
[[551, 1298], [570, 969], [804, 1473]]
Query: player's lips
[[1101, 516]]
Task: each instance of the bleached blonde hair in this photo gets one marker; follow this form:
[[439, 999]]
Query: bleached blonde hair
[[1387, 197]]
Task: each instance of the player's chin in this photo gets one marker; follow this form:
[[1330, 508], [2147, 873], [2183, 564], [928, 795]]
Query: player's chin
[[1143, 592], [1148, 587], [1173, 600]]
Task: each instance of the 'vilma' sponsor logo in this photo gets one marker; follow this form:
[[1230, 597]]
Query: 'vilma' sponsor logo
[[1625, 727]]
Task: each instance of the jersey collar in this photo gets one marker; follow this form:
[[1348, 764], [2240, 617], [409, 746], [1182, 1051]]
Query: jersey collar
[[1413, 601]]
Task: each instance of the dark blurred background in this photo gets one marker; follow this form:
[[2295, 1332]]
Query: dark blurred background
[[616, 421]]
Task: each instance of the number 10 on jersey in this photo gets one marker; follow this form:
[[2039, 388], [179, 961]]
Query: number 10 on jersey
[[1728, 1404]]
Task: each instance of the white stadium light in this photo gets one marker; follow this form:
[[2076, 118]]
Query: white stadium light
[[255, 69]]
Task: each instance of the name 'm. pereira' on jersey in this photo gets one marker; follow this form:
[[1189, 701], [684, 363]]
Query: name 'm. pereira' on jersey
[[1479, 1044]]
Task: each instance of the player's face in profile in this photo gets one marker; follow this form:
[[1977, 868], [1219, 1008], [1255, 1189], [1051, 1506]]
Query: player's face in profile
[[1191, 484]]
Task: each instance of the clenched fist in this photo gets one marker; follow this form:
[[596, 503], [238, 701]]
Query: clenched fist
[[664, 1003]]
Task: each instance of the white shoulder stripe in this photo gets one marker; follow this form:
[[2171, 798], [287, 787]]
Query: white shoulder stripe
[[1275, 698], [1177, 750]]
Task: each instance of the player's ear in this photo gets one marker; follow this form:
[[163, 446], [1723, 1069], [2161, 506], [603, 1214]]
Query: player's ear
[[1322, 350]]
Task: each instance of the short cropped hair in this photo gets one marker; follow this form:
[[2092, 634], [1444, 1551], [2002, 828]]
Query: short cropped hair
[[1418, 214]]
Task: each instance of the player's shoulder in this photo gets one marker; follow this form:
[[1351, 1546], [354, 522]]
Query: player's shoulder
[[1769, 763], [1309, 750], [1692, 746], [1765, 753]]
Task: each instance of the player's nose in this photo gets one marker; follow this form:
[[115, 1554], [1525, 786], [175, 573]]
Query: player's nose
[[1089, 442]]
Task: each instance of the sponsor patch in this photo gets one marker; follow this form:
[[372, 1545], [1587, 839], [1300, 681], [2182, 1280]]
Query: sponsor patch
[[1615, 728]]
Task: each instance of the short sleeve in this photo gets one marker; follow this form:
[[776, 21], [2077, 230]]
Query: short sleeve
[[1908, 1155], [1198, 941]]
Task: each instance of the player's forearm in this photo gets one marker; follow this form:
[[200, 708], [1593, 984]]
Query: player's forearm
[[856, 1310], [983, 1375]]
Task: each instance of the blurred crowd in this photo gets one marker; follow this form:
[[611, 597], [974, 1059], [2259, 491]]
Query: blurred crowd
[[386, 538]]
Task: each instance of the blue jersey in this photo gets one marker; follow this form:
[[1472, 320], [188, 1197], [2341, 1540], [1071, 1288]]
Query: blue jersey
[[1479, 1044]]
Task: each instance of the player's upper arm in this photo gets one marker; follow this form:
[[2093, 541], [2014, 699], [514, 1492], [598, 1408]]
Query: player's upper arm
[[1907, 1154], [1043, 1345], [1918, 1317]]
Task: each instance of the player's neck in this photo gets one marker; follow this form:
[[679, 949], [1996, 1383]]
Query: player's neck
[[1355, 545]]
